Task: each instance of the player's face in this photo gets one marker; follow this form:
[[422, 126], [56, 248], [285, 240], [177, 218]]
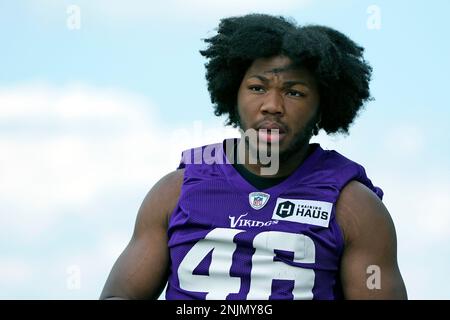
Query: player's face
[[275, 95]]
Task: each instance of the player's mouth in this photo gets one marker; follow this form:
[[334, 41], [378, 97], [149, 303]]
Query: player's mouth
[[270, 132]]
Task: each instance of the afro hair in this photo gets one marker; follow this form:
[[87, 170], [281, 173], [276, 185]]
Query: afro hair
[[335, 60]]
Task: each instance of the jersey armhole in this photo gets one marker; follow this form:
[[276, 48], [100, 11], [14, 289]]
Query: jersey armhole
[[171, 213]]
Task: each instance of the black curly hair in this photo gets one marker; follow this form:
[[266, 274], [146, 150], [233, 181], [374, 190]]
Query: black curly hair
[[335, 60]]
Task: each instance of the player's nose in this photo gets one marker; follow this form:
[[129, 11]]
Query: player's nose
[[273, 103]]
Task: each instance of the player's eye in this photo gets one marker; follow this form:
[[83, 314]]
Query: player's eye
[[295, 93], [256, 88]]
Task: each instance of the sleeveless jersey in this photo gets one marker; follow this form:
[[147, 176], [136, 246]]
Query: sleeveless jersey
[[229, 240]]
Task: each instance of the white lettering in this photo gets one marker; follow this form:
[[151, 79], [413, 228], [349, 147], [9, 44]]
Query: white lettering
[[234, 222]]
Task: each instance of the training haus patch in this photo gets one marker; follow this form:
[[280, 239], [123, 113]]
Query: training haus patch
[[303, 211]]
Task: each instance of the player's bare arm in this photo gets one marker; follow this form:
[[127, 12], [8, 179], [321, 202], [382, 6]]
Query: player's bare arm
[[140, 272], [370, 246]]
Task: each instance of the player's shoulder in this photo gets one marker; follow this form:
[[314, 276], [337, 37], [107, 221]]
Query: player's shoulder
[[162, 198], [172, 180], [168, 188], [355, 193], [358, 208]]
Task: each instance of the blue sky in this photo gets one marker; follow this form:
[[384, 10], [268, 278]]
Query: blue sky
[[90, 118]]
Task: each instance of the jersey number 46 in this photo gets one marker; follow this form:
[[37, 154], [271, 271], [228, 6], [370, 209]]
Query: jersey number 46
[[219, 283]]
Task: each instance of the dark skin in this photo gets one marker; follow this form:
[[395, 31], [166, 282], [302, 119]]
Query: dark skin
[[369, 234], [272, 92]]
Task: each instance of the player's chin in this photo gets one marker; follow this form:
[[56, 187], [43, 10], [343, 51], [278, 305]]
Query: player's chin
[[273, 148]]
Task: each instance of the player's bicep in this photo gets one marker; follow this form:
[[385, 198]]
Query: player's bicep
[[140, 272], [369, 268]]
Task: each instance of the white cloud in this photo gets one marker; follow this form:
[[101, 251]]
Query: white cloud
[[63, 147], [64, 152]]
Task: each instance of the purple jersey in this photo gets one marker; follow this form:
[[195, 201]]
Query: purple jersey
[[229, 240]]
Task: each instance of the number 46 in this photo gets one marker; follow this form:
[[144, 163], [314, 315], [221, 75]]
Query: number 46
[[219, 283]]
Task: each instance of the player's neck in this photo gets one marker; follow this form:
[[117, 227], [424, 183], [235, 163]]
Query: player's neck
[[286, 165]]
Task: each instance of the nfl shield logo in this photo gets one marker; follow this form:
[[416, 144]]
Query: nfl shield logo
[[258, 199]]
